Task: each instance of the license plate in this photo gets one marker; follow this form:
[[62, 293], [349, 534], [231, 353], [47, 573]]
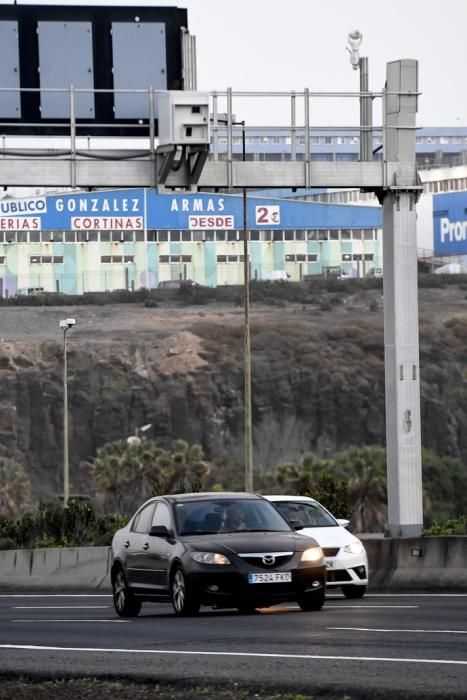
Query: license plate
[[276, 577], [330, 564]]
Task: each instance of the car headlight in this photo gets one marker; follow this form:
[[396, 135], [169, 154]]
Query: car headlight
[[209, 558], [354, 548], [313, 554]]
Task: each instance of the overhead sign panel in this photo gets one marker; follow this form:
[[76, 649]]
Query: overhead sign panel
[[111, 56], [145, 66], [73, 40], [9, 70]]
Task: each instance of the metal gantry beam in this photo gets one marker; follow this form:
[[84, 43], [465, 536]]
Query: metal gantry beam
[[394, 180]]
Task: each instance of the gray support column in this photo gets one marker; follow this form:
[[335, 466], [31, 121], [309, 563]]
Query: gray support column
[[403, 433]]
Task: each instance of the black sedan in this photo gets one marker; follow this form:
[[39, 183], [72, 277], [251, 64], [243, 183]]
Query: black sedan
[[229, 550]]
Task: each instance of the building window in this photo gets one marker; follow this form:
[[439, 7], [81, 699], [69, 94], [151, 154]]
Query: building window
[[34, 237], [106, 258], [128, 258], [45, 259], [105, 236], [70, 237], [276, 140], [174, 259], [162, 236], [2, 259], [186, 236]]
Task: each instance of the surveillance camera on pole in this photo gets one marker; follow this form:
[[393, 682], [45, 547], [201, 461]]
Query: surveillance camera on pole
[[355, 39]]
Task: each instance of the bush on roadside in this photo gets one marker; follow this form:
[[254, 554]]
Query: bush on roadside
[[453, 526], [52, 525]]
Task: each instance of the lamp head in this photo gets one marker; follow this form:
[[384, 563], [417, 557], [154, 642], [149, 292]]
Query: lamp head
[[67, 323]]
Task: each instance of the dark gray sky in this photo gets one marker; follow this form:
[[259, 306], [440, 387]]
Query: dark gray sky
[[266, 45]]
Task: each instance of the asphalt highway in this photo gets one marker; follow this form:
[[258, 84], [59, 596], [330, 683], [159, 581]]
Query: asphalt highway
[[398, 645]]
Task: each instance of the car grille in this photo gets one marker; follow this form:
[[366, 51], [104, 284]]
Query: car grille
[[330, 551], [257, 560]]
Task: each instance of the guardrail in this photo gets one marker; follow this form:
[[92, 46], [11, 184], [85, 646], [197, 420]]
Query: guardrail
[[421, 564]]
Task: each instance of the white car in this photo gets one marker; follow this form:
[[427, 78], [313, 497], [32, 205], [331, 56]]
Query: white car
[[346, 559]]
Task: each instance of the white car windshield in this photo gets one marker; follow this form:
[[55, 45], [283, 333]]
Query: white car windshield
[[309, 514]]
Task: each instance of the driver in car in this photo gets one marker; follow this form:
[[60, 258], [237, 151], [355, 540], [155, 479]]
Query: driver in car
[[233, 520]]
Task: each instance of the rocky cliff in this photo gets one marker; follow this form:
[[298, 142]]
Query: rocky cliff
[[317, 378]]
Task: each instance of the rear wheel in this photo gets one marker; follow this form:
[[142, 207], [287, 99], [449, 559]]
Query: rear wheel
[[354, 591], [125, 603], [311, 601], [184, 600]]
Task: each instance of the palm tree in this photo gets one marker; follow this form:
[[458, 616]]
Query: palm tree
[[364, 468], [15, 487], [126, 474]]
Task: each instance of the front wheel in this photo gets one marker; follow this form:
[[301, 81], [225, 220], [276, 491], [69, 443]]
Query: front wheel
[[354, 591], [184, 599], [311, 601], [125, 603]]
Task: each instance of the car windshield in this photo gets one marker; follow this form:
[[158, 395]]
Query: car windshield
[[310, 514], [228, 515]]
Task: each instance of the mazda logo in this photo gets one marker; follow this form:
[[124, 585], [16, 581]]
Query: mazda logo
[[269, 559]]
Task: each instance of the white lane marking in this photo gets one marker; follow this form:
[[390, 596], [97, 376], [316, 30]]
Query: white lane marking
[[238, 654], [55, 595], [76, 619], [418, 631], [384, 607], [350, 606], [416, 595], [59, 607]]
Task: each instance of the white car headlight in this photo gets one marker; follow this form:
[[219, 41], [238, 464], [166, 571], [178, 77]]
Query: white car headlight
[[354, 548], [313, 554], [209, 558]]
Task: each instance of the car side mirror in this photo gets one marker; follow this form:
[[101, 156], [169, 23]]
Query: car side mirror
[[159, 531], [343, 522], [297, 524]]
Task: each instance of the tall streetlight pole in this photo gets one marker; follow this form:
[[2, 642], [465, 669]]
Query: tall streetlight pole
[[246, 336], [248, 429], [65, 325]]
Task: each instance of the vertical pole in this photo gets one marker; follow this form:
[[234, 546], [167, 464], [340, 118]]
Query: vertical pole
[[66, 486], [366, 116], [72, 137], [403, 432], [247, 348]]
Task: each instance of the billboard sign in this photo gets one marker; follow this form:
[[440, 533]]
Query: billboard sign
[[450, 223], [110, 55]]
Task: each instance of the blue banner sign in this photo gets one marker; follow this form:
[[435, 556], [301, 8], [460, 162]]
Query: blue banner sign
[[139, 209], [450, 223]]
